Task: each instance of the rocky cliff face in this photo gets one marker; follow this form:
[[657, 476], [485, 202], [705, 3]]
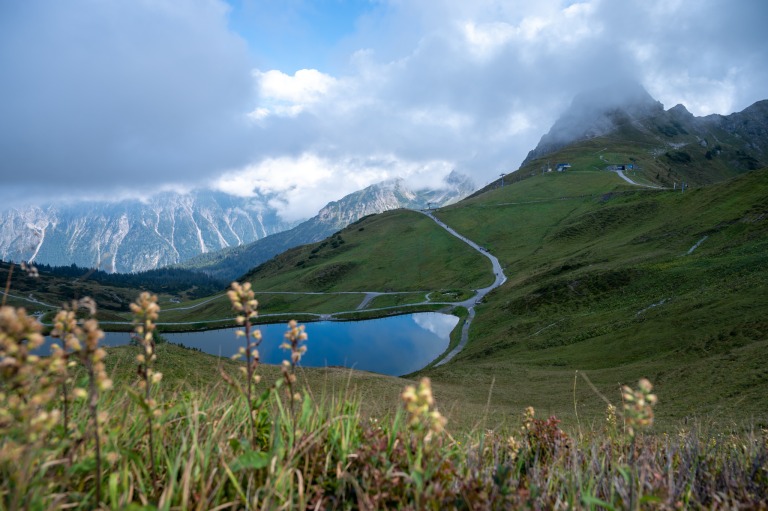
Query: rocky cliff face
[[388, 195], [172, 228], [131, 235], [750, 125]]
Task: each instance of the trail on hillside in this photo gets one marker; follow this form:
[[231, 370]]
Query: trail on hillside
[[628, 180], [499, 279], [29, 299]]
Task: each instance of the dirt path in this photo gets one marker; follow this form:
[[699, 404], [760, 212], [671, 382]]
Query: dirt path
[[29, 299], [628, 180]]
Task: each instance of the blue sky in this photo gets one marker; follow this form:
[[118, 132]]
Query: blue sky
[[298, 34], [308, 100]]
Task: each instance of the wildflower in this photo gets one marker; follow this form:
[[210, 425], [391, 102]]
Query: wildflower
[[419, 403], [145, 313], [30, 269], [610, 418], [513, 446], [293, 339], [638, 406], [29, 381], [528, 417], [244, 304]]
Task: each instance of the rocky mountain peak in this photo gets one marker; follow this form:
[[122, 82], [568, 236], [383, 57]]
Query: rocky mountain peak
[[679, 111], [597, 112]]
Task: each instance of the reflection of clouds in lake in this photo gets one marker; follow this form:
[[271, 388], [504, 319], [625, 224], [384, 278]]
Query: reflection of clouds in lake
[[439, 324]]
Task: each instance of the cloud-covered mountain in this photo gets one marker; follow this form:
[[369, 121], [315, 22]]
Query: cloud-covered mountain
[[595, 113], [133, 235], [231, 263], [671, 145]]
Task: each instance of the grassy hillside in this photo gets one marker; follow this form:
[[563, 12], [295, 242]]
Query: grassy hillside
[[603, 283], [395, 251]]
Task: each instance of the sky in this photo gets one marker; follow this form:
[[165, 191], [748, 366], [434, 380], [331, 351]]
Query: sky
[[306, 101]]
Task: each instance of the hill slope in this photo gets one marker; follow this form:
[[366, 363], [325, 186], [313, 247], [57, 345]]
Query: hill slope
[[232, 263], [607, 279], [622, 284], [394, 251]]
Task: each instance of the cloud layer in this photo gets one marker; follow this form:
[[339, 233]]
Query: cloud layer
[[131, 95], [97, 95]]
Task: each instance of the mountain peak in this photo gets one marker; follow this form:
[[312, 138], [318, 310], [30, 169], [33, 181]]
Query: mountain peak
[[680, 112], [622, 95], [596, 112]]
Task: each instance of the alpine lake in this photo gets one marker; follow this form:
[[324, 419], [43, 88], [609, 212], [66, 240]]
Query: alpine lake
[[394, 345]]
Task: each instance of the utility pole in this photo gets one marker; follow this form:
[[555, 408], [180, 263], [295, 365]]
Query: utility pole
[[502, 180]]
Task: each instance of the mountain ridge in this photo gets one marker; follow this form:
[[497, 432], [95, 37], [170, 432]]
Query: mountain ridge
[[377, 198], [166, 228]]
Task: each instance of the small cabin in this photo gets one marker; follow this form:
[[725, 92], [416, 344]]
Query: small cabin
[[563, 166]]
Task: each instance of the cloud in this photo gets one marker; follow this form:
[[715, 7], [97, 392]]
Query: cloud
[[98, 95], [479, 82], [114, 95], [300, 186]]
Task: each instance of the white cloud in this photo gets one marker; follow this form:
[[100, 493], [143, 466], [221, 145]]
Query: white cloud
[[114, 95], [305, 86], [439, 324], [300, 186], [286, 95], [484, 40]]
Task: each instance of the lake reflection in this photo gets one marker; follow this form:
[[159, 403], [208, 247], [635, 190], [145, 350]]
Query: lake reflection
[[395, 345]]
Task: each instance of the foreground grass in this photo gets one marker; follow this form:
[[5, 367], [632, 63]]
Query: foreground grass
[[329, 451], [192, 431]]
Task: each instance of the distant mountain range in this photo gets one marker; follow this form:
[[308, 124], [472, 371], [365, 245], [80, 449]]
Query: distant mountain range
[[191, 229], [133, 235], [232, 263]]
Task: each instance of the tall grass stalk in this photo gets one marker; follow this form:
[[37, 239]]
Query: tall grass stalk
[[92, 358], [145, 313], [245, 304]]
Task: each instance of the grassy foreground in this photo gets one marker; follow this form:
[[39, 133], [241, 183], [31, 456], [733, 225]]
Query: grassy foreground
[[159, 427]]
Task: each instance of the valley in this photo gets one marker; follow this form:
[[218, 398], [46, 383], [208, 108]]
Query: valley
[[598, 278], [608, 269], [383, 255]]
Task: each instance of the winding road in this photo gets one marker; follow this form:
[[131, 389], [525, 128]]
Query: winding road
[[499, 279]]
